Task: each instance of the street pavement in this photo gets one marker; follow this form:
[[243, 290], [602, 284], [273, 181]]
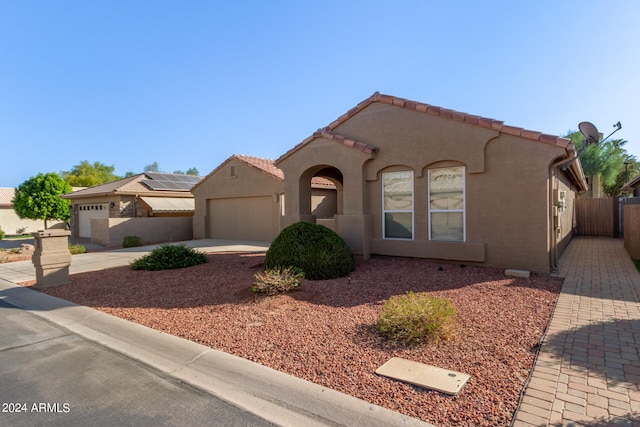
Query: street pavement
[[52, 377], [102, 366]]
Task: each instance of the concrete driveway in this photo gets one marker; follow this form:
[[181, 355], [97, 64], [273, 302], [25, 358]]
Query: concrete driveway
[[24, 271]]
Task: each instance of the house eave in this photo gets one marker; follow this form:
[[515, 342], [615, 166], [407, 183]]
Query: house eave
[[157, 193]]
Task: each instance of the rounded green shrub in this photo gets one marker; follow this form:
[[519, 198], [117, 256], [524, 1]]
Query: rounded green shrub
[[315, 249], [417, 318], [166, 257], [132, 241], [1, 234]]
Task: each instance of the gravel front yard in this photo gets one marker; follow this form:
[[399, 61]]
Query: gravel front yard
[[325, 332]]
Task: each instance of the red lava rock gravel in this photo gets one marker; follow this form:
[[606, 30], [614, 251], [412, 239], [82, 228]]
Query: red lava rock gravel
[[325, 331]]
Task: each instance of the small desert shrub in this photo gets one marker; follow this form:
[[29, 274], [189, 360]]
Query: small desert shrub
[[77, 249], [416, 318], [167, 257], [277, 281], [315, 249], [132, 241]]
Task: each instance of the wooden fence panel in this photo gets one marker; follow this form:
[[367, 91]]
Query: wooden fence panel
[[596, 217]]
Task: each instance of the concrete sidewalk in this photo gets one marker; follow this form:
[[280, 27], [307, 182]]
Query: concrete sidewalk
[[588, 370], [272, 395], [24, 271]]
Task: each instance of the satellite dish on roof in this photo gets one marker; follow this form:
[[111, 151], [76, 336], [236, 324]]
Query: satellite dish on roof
[[592, 136], [590, 132]]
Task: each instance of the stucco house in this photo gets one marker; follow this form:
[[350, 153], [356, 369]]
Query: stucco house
[[11, 223], [243, 199], [413, 180], [632, 187], [155, 206]]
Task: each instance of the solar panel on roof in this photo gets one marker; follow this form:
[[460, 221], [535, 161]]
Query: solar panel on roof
[[173, 182], [154, 185], [175, 185]]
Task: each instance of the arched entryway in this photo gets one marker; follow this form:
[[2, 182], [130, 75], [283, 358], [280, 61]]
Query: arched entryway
[[321, 195]]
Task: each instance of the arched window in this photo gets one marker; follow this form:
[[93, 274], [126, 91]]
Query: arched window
[[447, 204], [397, 205]]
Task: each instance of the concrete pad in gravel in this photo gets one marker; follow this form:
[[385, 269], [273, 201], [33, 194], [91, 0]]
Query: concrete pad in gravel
[[423, 375]]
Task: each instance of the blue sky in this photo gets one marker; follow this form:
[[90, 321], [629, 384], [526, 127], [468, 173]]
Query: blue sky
[[189, 83]]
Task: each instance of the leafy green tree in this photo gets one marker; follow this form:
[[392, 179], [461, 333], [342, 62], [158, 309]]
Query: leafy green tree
[[39, 198], [153, 167], [190, 171], [628, 171], [86, 174], [605, 159]]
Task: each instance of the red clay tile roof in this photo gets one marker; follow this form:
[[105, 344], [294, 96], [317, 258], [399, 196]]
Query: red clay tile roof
[[484, 122], [364, 147], [453, 115], [268, 167], [327, 134], [263, 165]]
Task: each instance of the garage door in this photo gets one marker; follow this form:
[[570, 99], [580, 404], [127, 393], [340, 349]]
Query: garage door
[[242, 218], [88, 212]]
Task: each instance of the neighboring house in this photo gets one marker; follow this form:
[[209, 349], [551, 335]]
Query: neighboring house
[[242, 199], [632, 188], [594, 188], [416, 180], [155, 206], [11, 223]]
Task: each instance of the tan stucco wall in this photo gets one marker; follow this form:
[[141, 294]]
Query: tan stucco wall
[[565, 221], [243, 218], [248, 204], [411, 138], [10, 222], [247, 182], [352, 221], [120, 206], [111, 231], [632, 230], [507, 207], [508, 186], [324, 204]]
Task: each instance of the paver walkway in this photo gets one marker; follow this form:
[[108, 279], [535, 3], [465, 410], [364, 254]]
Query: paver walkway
[[588, 370]]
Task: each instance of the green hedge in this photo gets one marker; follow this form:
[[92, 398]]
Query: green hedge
[[315, 249], [167, 257], [132, 241]]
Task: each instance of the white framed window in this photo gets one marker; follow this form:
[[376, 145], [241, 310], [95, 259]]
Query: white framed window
[[447, 204], [397, 205]]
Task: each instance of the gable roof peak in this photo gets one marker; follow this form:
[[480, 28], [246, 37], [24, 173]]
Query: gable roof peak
[[262, 164], [458, 116]]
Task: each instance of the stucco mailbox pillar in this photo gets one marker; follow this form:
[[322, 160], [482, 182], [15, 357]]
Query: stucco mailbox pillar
[[51, 257]]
